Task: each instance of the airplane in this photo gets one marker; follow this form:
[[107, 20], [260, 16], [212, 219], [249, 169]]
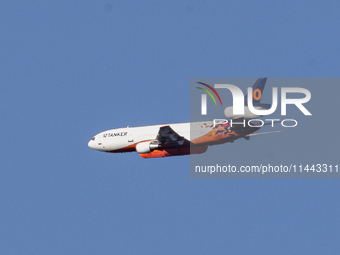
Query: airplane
[[181, 138]]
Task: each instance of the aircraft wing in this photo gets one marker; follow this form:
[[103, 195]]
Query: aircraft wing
[[167, 137]]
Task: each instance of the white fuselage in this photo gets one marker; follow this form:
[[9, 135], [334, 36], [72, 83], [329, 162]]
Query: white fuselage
[[120, 138]]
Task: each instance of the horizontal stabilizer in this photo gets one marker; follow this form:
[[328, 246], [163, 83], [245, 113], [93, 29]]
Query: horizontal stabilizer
[[263, 106], [265, 133]]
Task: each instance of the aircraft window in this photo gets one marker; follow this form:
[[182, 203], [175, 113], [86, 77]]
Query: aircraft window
[[94, 138]]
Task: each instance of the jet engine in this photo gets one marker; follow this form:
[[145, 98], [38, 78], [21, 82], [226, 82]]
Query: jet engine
[[146, 147], [175, 152], [228, 112]]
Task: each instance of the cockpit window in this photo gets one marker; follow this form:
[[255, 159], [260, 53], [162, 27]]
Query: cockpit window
[[94, 138]]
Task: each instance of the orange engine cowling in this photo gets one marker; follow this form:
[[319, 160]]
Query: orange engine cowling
[[174, 152]]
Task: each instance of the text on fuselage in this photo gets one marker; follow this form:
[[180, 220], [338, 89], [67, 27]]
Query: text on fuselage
[[114, 134]]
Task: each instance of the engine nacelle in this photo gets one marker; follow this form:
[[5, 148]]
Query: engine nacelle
[[146, 147], [228, 112], [175, 152]]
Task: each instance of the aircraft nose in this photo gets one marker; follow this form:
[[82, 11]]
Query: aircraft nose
[[95, 143], [91, 144]]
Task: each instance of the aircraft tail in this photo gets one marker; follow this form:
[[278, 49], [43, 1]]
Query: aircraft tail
[[258, 88]]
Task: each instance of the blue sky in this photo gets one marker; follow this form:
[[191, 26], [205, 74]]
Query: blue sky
[[70, 69]]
